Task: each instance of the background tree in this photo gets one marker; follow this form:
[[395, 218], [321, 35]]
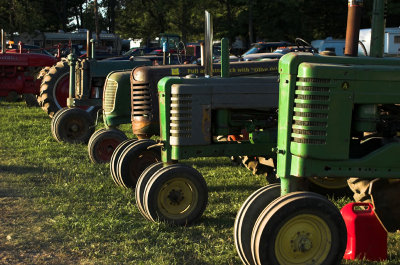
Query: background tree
[[271, 20]]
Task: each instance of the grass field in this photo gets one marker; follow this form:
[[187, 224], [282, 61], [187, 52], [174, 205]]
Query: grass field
[[58, 208]]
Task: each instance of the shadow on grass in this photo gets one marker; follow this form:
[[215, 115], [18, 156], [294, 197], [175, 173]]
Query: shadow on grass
[[10, 192], [39, 176], [225, 220], [20, 169], [218, 162], [231, 188]]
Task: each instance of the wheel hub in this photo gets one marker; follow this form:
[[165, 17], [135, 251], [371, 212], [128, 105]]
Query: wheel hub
[[301, 242], [303, 239], [74, 128], [175, 196]]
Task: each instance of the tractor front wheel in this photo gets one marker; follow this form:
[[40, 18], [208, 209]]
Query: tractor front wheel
[[141, 185], [134, 159], [299, 228], [103, 143], [176, 194], [73, 126], [115, 157], [247, 216]]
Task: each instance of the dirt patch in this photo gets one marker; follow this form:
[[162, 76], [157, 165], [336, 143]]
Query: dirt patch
[[22, 224]]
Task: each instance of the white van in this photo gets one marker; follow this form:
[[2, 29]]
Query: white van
[[391, 41]]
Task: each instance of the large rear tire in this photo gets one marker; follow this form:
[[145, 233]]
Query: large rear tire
[[54, 89], [326, 186]]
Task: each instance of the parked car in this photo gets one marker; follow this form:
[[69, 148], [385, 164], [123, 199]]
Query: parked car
[[277, 54], [266, 47]]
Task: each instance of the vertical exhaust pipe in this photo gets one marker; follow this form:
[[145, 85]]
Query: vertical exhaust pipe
[[3, 41], [202, 53], [208, 51], [353, 27], [88, 44], [378, 28], [224, 57]]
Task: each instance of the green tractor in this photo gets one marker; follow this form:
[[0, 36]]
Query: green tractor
[[78, 84], [338, 118], [72, 90], [118, 108], [116, 111], [201, 117]]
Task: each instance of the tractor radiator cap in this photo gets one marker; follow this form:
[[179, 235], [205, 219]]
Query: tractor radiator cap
[[191, 76]]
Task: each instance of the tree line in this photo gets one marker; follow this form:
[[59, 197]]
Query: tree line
[[251, 20]]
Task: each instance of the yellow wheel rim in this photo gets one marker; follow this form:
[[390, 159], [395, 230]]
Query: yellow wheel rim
[[329, 183], [177, 198], [303, 239]]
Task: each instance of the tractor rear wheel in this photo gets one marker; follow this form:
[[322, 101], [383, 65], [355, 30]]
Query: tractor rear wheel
[[73, 126], [331, 186], [54, 89], [261, 166], [337, 187], [103, 143], [43, 72], [12, 96]]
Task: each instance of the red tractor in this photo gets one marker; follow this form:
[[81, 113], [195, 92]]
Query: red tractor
[[18, 72]]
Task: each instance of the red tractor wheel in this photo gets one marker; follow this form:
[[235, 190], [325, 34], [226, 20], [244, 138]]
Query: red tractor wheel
[[102, 144], [73, 126], [54, 89]]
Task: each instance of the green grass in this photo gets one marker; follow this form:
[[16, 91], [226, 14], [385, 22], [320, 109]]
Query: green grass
[[58, 208]]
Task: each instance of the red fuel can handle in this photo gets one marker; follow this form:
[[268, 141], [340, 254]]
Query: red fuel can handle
[[366, 236]]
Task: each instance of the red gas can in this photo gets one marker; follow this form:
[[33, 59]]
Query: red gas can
[[366, 236]]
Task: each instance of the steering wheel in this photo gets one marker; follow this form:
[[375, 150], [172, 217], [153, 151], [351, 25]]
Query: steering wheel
[[180, 50], [302, 43]]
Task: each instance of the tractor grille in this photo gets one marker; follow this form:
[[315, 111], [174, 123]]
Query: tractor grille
[[181, 116], [110, 92], [311, 107], [141, 100]]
